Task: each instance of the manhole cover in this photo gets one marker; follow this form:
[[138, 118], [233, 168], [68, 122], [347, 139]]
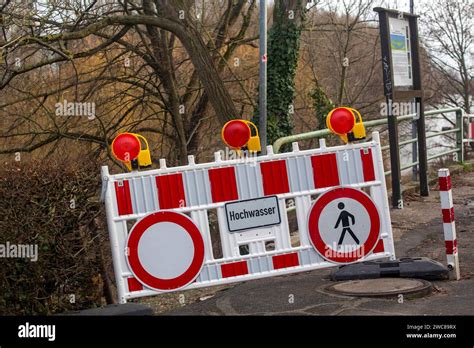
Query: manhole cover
[[381, 287]]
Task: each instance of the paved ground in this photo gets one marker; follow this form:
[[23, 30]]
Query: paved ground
[[417, 231]]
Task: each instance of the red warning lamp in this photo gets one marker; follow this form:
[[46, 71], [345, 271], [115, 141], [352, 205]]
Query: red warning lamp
[[132, 149], [236, 133], [341, 121], [126, 147], [346, 123]]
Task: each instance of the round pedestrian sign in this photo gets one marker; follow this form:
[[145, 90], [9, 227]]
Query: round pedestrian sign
[[165, 250], [344, 225]]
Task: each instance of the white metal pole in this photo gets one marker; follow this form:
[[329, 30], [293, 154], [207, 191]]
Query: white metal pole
[[262, 94]]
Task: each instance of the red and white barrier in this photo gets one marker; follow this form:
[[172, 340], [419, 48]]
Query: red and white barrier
[[160, 220], [449, 225]]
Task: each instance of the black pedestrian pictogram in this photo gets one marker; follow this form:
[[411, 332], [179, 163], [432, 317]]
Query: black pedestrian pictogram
[[344, 219]]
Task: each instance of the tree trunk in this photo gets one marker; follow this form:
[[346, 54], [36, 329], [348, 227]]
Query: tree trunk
[[219, 97], [178, 11]]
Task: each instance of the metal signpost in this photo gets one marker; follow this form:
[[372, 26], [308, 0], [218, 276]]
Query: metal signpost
[[414, 146], [262, 94], [402, 81]]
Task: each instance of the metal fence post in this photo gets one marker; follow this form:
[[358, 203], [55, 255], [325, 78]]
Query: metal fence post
[[460, 136]]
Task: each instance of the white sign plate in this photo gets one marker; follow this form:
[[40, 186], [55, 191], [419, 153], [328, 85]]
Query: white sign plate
[[401, 52], [252, 213]]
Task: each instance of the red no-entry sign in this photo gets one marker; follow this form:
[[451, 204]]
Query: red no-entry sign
[[165, 250]]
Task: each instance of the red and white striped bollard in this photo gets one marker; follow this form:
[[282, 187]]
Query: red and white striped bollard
[[449, 226]]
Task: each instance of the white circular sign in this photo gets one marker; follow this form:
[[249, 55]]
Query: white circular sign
[[165, 250]]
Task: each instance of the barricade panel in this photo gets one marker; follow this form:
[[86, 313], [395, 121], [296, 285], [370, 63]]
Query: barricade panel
[[248, 218]]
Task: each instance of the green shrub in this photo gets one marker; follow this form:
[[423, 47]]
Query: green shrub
[[56, 207]]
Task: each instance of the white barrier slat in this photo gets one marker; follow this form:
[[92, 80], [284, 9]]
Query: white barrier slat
[[202, 221], [249, 181], [298, 168], [197, 188], [303, 205], [351, 171]]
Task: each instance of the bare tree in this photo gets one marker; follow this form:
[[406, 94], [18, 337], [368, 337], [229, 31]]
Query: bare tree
[[449, 34], [155, 67], [341, 47]]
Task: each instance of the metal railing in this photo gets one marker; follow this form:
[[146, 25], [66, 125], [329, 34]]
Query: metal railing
[[458, 130]]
